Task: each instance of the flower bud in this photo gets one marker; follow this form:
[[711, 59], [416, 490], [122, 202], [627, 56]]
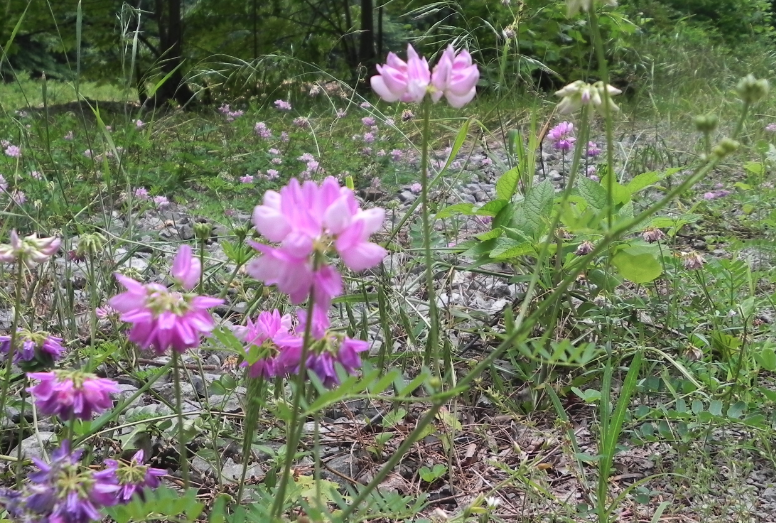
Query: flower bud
[[706, 123], [202, 231], [725, 147], [752, 90], [89, 244]]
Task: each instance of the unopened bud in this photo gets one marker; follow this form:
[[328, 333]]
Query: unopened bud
[[752, 90], [202, 231], [725, 147], [89, 244], [706, 123]]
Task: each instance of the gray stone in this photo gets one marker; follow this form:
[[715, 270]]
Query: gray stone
[[233, 471], [769, 495], [31, 447], [186, 232]]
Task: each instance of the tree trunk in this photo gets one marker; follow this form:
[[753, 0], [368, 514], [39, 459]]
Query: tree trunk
[[366, 48], [168, 19]]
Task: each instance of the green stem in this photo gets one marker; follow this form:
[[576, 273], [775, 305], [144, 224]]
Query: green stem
[[432, 342], [14, 326], [603, 72], [294, 432], [255, 386], [183, 460]]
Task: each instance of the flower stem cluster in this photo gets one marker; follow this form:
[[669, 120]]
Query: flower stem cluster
[[309, 223]]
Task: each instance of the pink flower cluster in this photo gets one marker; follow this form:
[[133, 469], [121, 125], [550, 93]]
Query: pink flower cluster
[[308, 221], [71, 394], [164, 319], [229, 113], [262, 130], [455, 77], [282, 105], [561, 136]]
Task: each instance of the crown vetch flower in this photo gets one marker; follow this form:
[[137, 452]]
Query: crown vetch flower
[[162, 318], [402, 81], [69, 394], [32, 345], [132, 477], [64, 491], [561, 136], [455, 77], [580, 93], [309, 220], [264, 337], [29, 250]]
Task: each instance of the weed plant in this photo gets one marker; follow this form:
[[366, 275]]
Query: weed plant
[[641, 323]]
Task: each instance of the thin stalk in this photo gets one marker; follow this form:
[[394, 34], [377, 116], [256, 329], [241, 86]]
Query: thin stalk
[[183, 461], [255, 386], [14, 326], [432, 342], [294, 435], [603, 72]]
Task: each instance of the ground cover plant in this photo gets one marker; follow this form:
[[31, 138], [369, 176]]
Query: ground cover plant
[[428, 299]]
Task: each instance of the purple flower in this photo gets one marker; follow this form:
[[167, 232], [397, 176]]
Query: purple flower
[[13, 151], [365, 105], [139, 123], [161, 201], [36, 175], [18, 197], [64, 491], [282, 105], [306, 157], [302, 122], [560, 136], [262, 130], [30, 249], [397, 154], [246, 179], [369, 138], [592, 150], [273, 151], [277, 161], [132, 478], [30, 345], [164, 319], [591, 170], [416, 187], [141, 193], [70, 394], [272, 174], [284, 136], [341, 113], [368, 121], [771, 127], [263, 337]]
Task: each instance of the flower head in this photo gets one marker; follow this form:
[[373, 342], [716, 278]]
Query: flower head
[[264, 337], [560, 136], [308, 220], [13, 151], [282, 105], [29, 250], [71, 394], [132, 477], [580, 93], [30, 346], [162, 318], [455, 77], [402, 81]]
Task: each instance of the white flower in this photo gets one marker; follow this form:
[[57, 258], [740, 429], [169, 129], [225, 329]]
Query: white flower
[[575, 6], [580, 93]]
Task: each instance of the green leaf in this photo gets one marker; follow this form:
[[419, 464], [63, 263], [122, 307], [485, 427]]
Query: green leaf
[[458, 208], [644, 180], [538, 204], [506, 186], [593, 193], [639, 264], [507, 248], [766, 359], [491, 208]]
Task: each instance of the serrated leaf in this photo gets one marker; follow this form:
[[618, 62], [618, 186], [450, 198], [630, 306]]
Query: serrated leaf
[[593, 193], [506, 185], [537, 205]]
